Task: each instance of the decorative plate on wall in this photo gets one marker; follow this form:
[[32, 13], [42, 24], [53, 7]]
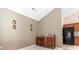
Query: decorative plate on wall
[[31, 27], [14, 24]]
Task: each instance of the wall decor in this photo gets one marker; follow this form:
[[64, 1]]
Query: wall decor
[[31, 27], [14, 24]]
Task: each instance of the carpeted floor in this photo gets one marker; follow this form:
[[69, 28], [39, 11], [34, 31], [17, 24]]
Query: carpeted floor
[[35, 47]]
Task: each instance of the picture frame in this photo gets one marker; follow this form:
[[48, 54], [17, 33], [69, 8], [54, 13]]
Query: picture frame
[[31, 27], [14, 24]]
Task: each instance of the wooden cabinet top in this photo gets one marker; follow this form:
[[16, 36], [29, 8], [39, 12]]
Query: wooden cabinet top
[[68, 25], [76, 26]]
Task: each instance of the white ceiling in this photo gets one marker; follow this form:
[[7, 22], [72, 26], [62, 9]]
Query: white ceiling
[[68, 11], [37, 13]]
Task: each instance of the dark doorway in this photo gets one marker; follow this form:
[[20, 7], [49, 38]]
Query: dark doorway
[[68, 35]]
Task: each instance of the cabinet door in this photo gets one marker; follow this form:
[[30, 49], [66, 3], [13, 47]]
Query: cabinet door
[[76, 26], [50, 42], [77, 40], [38, 42]]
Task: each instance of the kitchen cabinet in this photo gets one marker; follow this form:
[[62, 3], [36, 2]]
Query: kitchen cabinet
[[76, 40], [76, 26], [68, 25]]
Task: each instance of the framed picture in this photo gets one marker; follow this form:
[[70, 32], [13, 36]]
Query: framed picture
[[14, 24], [31, 29]]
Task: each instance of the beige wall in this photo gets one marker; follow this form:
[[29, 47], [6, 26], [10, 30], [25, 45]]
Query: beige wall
[[21, 36], [52, 23]]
